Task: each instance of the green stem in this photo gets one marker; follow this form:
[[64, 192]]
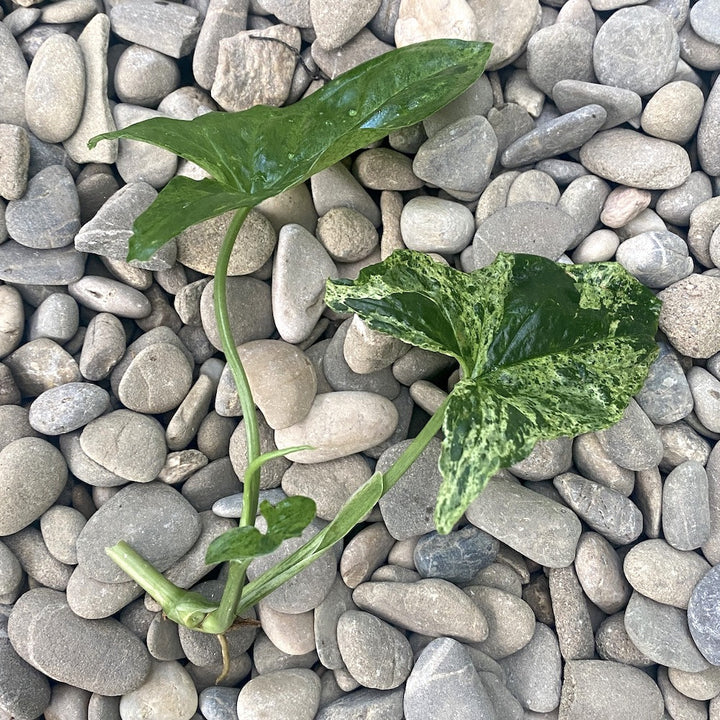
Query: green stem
[[220, 620]]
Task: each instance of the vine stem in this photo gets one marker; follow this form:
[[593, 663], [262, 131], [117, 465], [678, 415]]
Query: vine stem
[[221, 619]]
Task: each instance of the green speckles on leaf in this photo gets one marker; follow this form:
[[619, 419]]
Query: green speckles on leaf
[[547, 350]]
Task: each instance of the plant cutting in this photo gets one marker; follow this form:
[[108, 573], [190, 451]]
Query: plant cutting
[[545, 349]]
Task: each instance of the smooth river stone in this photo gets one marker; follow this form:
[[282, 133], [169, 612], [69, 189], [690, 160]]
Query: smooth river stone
[[340, 424], [431, 224], [413, 606], [630, 158], [67, 407], [292, 693], [536, 526], [703, 615], [100, 656]]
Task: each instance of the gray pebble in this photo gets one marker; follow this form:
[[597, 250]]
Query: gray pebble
[[661, 632], [704, 220], [656, 258], [431, 224], [293, 693], [11, 574], [445, 681], [346, 234], [336, 187], [40, 365], [12, 319], [705, 389], [702, 616], [613, 643], [133, 515], [97, 655], [55, 89], [708, 154], [272, 472], [594, 463], [67, 407], [107, 295], [42, 568], [538, 527], [168, 691], [367, 351], [648, 497], [663, 573], [600, 572], [291, 633], [583, 201], [705, 18], [623, 205], [267, 658], [567, 132], [14, 162], [630, 158], [533, 227], [620, 104], [163, 640], [27, 266], [366, 702], [608, 512], [127, 443], [364, 553], [666, 396], [325, 623], [509, 122], [57, 318], [563, 172], [637, 49], [300, 269], [688, 315], [13, 79], [459, 157], [686, 506], [48, 214], [533, 185], [412, 606], [219, 703], [60, 526], [144, 76], [572, 617], [680, 444], [210, 484], [457, 556], [533, 673], [32, 477], [698, 686], [673, 112], [103, 347], [615, 691], [83, 467]]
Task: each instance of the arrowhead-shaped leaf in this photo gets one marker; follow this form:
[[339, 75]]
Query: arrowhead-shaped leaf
[[285, 520], [257, 153], [546, 349]]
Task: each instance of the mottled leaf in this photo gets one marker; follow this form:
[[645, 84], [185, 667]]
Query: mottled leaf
[[257, 153], [547, 350]]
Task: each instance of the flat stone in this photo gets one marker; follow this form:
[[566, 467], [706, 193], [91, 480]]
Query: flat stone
[[67, 407], [698, 686], [702, 616], [705, 389], [12, 85], [335, 22], [630, 158], [608, 512], [533, 673], [533, 185], [92, 599], [536, 526], [445, 680], [363, 702], [291, 633], [681, 444], [583, 201], [219, 703], [567, 132], [661, 632], [337, 187], [410, 606], [40, 365], [27, 266], [273, 471], [572, 618], [367, 350], [14, 163], [168, 692], [656, 258], [127, 443], [619, 103], [599, 246], [340, 424], [110, 296], [420, 20], [385, 169], [100, 656], [592, 461], [613, 643], [673, 112], [134, 514], [325, 624], [594, 687], [83, 467], [686, 506], [364, 553], [600, 573], [663, 573], [624, 204], [533, 227], [636, 48], [294, 694], [12, 319], [704, 220], [48, 214]]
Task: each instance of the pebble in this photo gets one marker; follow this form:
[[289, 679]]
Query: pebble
[[686, 507], [605, 510], [96, 117], [698, 686], [600, 573], [511, 621], [67, 407], [411, 606], [595, 464], [335, 23], [620, 104], [663, 573], [666, 396], [365, 703], [460, 157], [431, 224], [636, 48], [26, 266], [294, 694], [661, 632], [113, 441], [41, 567], [12, 319], [100, 656], [536, 526], [533, 185], [385, 169], [457, 556], [199, 245], [367, 351], [14, 163], [55, 90], [420, 20], [705, 389], [363, 554], [533, 227], [109, 296], [688, 315], [560, 52], [567, 132], [40, 365], [325, 621], [708, 154], [346, 234], [696, 51], [624, 204], [301, 267], [219, 703], [57, 318], [673, 112], [407, 508], [704, 18], [681, 443], [48, 214], [630, 158], [594, 688], [267, 658], [92, 599], [444, 680], [533, 673], [572, 619], [292, 633], [272, 472], [60, 525], [12, 85], [144, 76], [103, 346], [251, 72], [583, 201], [656, 258], [704, 220], [168, 693]]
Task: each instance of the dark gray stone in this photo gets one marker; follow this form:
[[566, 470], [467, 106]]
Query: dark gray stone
[[656, 258], [365, 703], [219, 703], [686, 516], [620, 104], [67, 407], [704, 615], [28, 266]]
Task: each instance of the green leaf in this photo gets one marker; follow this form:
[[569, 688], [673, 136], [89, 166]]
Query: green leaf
[[285, 520], [547, 350], [257, 153]]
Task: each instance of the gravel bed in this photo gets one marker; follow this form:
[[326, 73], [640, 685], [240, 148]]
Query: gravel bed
[[582, 585]]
